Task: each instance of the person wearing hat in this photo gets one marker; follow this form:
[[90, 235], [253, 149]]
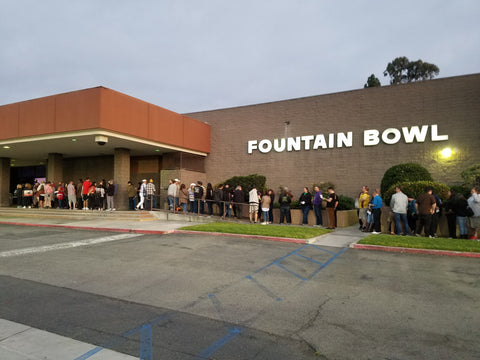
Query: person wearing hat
[[150, 190], [172, 193], [142, 192]]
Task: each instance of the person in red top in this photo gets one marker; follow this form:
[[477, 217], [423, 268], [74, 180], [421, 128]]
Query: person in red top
[[86, 185]]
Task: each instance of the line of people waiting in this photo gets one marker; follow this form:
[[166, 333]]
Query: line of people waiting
[[410, 216]]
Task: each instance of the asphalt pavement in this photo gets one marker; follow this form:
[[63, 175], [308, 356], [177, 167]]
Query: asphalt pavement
[[132, 288]]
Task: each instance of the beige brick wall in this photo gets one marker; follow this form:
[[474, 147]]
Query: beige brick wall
[[450, 103]]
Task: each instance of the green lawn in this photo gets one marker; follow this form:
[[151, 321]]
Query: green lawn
[[294, 232], [416, 242]]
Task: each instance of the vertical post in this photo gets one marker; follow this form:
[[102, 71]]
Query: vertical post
[[55, 168], [4, 181], [121, 176]]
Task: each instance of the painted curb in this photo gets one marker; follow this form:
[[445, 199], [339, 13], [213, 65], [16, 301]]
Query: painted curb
[[417, 251], [134, 231], [261, 237]]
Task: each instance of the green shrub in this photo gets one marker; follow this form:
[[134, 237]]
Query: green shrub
[[402, 173], [345, 203], [471, 175], [414, 188], [247, 182]]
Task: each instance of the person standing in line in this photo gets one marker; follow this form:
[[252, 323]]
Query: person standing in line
[[238, 199], [363, 205], [198, 190], [132, 192], [317, 206], [285, 200], [227, 200], [110, 196], [150, 190], [183, 198], [79, 191], [426, 207], [48, 194], [253, 205], [272, 201], [377, 204], [71, 195], [85, 186], [306, 202], [266, 200], [191, 197], [450, 215], [171, 194], [218, 197], [332, 203], [209, 198], [474, 203], [142, 192], [460, 206], [399, 205], [435, 215]]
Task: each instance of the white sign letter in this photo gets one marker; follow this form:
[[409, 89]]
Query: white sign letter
[[252, 145], [346, 140], [415, 133], [435, 136], [396, 136], [307, 139], [370, 137], [265, 146]]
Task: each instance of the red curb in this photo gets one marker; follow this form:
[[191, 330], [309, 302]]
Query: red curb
[[270, 238], [134, 231], [417, 251]]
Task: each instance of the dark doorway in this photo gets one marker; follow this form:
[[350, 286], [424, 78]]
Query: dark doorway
[[24, 174]]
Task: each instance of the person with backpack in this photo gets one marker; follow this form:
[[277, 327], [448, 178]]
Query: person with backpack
[[198, 194]]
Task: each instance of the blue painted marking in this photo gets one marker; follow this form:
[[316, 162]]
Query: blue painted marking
[[328, 262], [146, 352], [264, 288], [289, 271], [309, 259], [205, 354], [89, 353], [124, 337]]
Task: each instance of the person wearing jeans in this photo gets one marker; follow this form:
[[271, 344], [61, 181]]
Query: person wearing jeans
[[306, 202], [399, 205]]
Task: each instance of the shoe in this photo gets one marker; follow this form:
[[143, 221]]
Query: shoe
[[376, 232], [474, 238], [418, 235]]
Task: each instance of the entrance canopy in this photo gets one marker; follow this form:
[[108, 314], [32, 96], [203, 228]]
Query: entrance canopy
[[95, 122]]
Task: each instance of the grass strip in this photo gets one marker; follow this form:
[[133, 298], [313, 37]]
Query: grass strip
[[294, 232], [416, 242]]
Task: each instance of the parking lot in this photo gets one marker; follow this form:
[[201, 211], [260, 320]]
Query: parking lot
[[179, 296]]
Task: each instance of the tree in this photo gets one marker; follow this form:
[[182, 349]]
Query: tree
[[372, 81], [401, 71]]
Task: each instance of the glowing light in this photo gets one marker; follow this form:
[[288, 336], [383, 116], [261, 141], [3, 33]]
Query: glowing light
[[446, 153], [6, 147]]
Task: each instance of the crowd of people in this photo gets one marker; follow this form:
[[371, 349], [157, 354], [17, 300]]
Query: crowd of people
[[224, 199], [410, 216], [85, 195]]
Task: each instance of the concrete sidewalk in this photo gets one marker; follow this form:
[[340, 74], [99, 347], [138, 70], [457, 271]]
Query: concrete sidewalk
[[21, 342]]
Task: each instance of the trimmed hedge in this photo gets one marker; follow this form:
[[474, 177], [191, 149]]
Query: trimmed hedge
[[247, 182], [414, 188], [471, 175], [401, 173]]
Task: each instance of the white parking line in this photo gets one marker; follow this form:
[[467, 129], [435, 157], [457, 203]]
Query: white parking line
[[68, 245]]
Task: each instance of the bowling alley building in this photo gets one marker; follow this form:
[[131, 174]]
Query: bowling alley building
[[349, 138]]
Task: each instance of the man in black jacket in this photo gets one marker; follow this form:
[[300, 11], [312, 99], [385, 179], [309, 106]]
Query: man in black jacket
[[238, 199]]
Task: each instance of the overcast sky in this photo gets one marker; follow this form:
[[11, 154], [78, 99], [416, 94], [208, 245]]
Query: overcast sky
[[191, 55]]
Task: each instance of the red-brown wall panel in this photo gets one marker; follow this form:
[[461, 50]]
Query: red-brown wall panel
[[165, 126], [78, 110], [9, 121], [196, 135], [123, 113], [37, 117]]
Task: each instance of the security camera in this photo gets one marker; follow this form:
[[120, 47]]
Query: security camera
[[101, 140]]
